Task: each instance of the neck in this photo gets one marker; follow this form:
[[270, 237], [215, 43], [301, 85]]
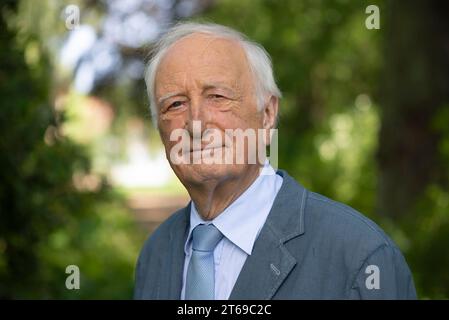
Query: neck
[[213, 197]]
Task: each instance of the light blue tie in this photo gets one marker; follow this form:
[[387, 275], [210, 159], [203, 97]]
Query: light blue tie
[[200, 281]]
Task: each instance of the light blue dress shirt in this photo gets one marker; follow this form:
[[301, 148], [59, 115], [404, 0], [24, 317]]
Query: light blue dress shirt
[[240, 223]]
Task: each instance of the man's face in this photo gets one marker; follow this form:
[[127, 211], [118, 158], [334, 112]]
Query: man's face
[[204, 80]]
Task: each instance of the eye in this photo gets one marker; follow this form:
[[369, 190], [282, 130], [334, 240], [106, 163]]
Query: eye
[[176, 104], [216, 96]]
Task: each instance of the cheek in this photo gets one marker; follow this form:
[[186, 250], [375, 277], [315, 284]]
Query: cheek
[[166, 127], [224, 120], [237, 116], [168, 124]]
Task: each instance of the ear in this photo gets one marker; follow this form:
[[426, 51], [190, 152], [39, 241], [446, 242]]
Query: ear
[[270, 113]]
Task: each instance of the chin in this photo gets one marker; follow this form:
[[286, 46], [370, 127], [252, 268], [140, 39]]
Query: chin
[[201, 173]]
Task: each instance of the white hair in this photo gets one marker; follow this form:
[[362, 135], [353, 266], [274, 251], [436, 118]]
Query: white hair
[[258, 59]]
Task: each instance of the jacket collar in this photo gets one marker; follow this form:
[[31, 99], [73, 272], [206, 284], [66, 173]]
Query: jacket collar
[[271, 262]]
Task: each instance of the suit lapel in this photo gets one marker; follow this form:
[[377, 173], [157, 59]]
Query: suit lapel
[[265, 270], [270, 262]]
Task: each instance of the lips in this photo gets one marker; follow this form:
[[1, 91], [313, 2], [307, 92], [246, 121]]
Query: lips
[[201, 150], [200, 147], [206, 148]]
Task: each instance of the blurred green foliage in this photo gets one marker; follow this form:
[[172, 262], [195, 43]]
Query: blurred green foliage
[[46, 221]]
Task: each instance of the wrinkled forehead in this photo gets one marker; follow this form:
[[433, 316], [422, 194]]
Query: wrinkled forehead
[[199, 54]]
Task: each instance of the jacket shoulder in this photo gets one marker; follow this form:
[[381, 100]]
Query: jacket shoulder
[[160, 236], [344, 235], [343, 222], [355, 244], [153, 252]]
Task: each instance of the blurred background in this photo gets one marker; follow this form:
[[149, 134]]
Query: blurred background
[[83, 177]]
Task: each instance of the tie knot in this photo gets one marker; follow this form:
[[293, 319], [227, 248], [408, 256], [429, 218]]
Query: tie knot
[[205, 237]]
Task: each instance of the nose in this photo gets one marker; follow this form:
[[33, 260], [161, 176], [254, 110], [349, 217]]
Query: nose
[[198, 116]]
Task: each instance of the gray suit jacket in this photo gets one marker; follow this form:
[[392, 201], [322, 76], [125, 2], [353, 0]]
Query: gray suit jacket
[[310, 247]]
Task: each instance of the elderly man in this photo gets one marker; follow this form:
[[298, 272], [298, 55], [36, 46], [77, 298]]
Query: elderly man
[[247, 233]]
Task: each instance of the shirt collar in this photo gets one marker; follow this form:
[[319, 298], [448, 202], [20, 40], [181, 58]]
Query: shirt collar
[[243, 219]]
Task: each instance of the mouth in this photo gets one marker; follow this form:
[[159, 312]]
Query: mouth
[[202, 149]]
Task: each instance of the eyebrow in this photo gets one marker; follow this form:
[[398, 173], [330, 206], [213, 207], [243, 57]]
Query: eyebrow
[[167, 96], [218, 85], [208, 86]]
